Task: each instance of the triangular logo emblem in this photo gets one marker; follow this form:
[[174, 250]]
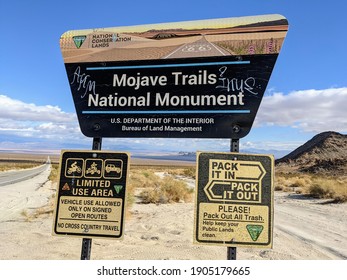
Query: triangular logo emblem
[[254, 231], [66, 187], [79, 40], [118, 188]]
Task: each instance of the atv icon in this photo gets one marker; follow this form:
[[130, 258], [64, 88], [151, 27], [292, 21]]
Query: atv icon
[[93, 169]]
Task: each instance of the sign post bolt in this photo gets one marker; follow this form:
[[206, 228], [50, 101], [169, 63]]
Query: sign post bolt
[[236, 128], [96, 127]]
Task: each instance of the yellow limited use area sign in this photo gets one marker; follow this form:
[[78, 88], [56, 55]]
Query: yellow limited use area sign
[[91, 194], [234, 199]]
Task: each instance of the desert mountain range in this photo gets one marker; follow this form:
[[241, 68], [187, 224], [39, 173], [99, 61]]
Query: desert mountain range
[[325, 153]]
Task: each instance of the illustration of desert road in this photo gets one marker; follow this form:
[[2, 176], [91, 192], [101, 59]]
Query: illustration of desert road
[[199, 48]]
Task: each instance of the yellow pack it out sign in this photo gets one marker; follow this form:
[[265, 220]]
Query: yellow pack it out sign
[[234, 200]]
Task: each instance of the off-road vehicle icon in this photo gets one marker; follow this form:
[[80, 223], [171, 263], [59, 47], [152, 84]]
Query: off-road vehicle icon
[[112, 168]]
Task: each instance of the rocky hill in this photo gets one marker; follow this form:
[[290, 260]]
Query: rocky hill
[[325, 153]]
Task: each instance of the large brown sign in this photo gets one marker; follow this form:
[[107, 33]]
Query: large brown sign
[[196, 79]]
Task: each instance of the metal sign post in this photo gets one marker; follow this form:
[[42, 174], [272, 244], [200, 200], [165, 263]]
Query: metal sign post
[[87, 242], [234, 147]]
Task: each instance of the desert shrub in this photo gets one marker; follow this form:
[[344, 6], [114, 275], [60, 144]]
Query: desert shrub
[[142, 178], [53, 176], [190, 172], [313, 185], [174, 190], [298, 183], [5, 166], [329, 188], [186, 171], [318, 191], [138, 179], [280, 183], [167, 190], [292, 183], [151, 196], [130, 197]]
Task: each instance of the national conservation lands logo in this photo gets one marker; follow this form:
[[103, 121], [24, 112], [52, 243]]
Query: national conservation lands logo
[[100, 40], [79, 40]]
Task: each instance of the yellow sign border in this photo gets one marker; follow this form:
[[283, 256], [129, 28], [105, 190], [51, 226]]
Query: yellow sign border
[[248, 239], [58, 196]]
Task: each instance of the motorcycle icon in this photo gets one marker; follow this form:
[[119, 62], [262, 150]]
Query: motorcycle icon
[[74, 168]]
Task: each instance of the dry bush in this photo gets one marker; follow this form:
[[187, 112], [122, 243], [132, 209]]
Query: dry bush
[[317, 191], [151, 196], [313, 185], [280, 183], [329, 188], [5, 166], [167, 190], [187, 172], [175, 191], [53, 176], [292, 183], [300, 182], [190, 172], [140, 178]]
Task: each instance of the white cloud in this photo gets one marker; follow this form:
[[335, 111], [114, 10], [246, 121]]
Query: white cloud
[[20, 119], [13, 109], [308, 110]]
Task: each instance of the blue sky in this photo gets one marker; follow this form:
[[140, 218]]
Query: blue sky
[[306, 94]]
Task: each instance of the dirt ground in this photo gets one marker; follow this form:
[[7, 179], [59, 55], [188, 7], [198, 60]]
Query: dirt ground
[[305, 229]]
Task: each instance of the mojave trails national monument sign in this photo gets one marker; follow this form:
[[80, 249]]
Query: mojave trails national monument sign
[[194, 79]]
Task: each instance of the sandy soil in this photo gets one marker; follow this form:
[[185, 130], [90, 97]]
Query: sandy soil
[[305, 229]]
